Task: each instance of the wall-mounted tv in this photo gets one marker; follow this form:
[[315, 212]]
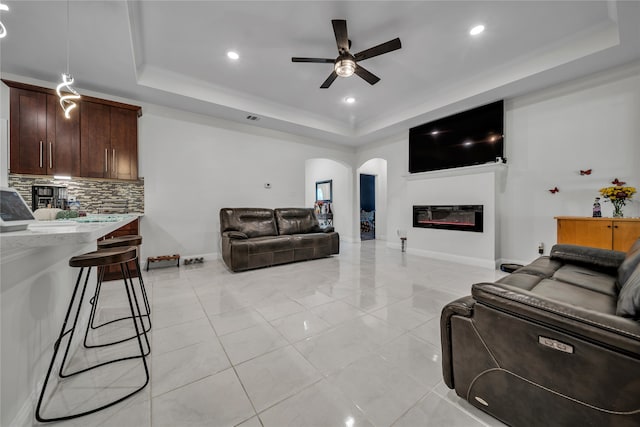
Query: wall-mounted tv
[[472, 137]]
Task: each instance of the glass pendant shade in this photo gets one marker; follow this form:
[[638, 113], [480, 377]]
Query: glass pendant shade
[[345, 67]]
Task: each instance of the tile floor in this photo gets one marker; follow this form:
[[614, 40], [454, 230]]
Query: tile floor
[[352, 340]]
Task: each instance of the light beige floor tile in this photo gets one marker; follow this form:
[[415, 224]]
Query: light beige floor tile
[[218, 400], [318, 405], [233, 321], [189, 364], [381, 390], [436, 412], [251, 342], [416, 358], [275, 376], [296, 327]]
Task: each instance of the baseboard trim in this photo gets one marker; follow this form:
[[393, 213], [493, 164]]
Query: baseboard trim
[[477, 262]]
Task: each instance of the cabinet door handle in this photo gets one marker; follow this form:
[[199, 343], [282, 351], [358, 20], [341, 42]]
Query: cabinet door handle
[[50, 155], [113, 161], [106, 160], [615, 226], [608, 226], [40, 153]]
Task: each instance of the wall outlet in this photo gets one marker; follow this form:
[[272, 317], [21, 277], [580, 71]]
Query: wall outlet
[[267, 185], [541, 248]]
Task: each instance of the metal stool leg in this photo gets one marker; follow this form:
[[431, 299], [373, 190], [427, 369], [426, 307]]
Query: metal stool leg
[[95, 300], [135, 316]]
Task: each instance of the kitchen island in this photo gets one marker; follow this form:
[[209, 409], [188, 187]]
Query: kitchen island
[[36, 283]]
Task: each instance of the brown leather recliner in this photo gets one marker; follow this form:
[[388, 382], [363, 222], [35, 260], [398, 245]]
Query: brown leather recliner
[[258, 237], [549, 345]]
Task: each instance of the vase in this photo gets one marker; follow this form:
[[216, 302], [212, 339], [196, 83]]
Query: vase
[[617, 210]]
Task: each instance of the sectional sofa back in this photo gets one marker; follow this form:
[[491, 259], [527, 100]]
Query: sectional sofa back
[[296, 221], [254, 222]]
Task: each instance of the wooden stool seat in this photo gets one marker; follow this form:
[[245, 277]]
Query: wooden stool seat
[[120, 241], [104, 257]]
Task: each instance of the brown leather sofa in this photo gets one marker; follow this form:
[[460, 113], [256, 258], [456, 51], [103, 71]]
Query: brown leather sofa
[[556, 343], [257, 237]]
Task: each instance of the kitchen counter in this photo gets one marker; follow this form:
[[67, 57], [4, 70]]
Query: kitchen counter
[[79, 230], [36, 283]]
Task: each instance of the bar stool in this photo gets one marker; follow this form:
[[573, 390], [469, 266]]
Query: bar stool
[[118, 242], [99, 259]]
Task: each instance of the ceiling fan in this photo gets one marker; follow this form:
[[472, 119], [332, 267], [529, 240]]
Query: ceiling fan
[[346, 64]]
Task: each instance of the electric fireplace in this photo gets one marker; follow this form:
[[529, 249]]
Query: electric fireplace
[[449, 217]]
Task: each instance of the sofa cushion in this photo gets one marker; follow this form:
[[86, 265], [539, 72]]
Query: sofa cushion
[[631, 261], [254, 222], [521, 280], [629, 298], [586, 278], [296, 221], [544, 266], [567, 293]]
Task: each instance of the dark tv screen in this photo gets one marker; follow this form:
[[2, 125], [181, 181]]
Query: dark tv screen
[[469, 138]]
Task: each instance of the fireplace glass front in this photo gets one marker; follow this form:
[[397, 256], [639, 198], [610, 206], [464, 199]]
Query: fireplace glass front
[[449, 217]]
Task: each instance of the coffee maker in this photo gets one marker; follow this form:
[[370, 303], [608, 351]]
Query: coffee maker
[[49, 196]]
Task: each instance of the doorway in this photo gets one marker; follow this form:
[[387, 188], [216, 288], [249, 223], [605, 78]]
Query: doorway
[[367, 207]]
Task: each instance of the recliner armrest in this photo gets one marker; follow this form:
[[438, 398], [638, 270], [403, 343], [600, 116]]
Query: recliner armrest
[[596, 257], [463, 307], [235, 235], [328, 230], [606, 329]]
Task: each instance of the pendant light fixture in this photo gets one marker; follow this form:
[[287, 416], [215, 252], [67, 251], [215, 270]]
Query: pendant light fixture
[[3, 30], [67, 99]]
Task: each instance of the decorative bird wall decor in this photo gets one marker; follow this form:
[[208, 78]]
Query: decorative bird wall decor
[[618, 183], [554, 190], [585, 172]]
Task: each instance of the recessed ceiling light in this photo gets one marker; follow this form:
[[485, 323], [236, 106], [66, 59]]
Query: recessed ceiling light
[[467, 143], [434, 132], [233, 55], [349, 100], [476, 30]]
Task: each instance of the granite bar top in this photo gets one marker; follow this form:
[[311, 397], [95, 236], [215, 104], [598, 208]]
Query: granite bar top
[[68, 232]]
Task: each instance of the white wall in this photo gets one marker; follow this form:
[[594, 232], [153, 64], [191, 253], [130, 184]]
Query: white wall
[[193, 166], [551, 135], [342, 191], [592, 123]]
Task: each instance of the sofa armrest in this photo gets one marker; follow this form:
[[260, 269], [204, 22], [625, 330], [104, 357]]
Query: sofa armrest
[[235, 235], [608, 330], [595, 257], [328, 230], [462, 307]]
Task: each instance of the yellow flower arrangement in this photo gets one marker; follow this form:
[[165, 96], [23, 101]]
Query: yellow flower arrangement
[[617, 195]]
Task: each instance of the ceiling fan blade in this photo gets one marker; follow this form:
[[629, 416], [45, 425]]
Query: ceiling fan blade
[[367, 75], [318, 60], [340, 31], [329, 80], [389, 46]]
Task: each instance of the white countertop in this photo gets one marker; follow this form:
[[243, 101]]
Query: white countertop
[[54, 233]]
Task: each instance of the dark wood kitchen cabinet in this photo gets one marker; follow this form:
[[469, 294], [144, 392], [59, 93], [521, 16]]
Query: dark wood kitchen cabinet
[[43, 141], [108, 141], [99, 140]]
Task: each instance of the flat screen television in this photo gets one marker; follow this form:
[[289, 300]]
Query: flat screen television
[[469, 138]]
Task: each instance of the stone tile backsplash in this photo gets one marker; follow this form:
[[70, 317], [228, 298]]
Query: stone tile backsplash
[[94, 195]]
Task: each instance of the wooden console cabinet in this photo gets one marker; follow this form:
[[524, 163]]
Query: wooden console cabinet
[[606, 233], [113, 272]]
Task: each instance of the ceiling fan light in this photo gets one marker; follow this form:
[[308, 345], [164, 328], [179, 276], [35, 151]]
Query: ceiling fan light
[[345, 67]]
